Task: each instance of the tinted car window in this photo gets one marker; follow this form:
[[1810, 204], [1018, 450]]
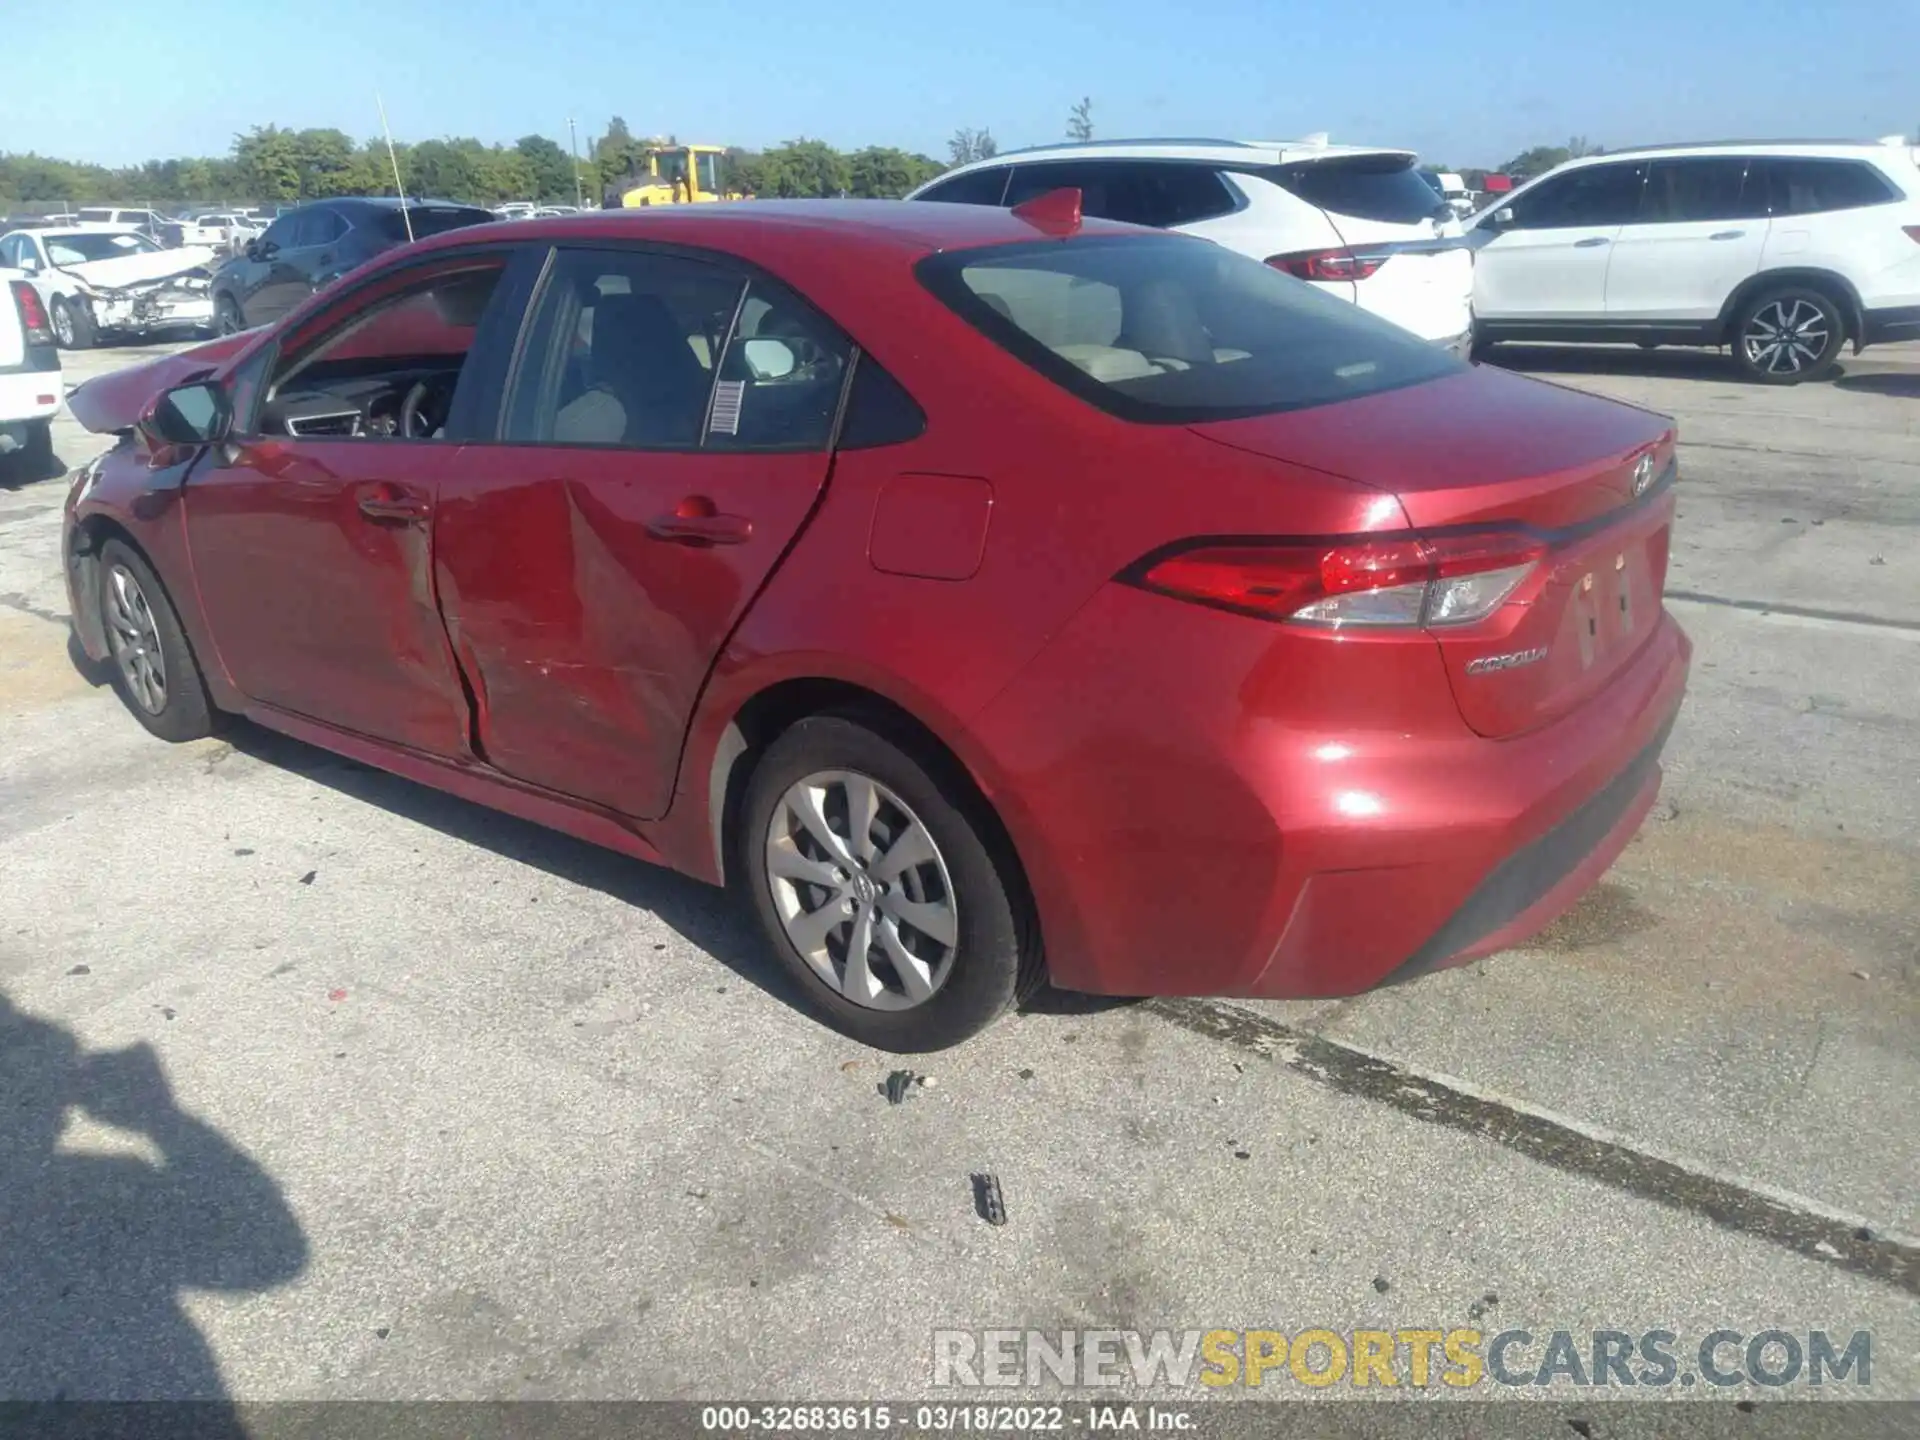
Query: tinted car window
[[780, 378], [1160, 329], [977, 187], [1367, 187], [1135, 192], [1594, 195], [280, 233], [622, 352], [426, 220], [1711, 187], [1811, 187]]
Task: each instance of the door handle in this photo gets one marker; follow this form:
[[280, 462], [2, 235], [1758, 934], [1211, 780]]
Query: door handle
[[389, 502], [1726, 235], [695, 521], [1591, 240]]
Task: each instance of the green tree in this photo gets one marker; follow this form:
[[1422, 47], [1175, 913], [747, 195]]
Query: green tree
[[805, 170], [269, 163], [1537, 161], [440, 170], [550, 167], [1080, 120], [881, 172]]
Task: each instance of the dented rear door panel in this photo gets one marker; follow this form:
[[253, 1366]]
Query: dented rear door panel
[[584, 624]]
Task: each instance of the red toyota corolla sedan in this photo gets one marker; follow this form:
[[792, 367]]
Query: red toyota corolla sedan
[[986, 595]]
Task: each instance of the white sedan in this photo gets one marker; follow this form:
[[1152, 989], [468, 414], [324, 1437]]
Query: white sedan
[[93, 280]]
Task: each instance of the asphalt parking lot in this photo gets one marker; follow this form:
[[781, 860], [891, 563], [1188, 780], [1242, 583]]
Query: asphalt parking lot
[[451, 1107]]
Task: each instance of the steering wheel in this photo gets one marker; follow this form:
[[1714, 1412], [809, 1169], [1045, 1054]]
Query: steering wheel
[[414, 425]]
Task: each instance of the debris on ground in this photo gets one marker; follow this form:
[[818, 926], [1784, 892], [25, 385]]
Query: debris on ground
[[81, 970], [988, 1202], [847, 1067], [307, 879], [1380, 1284], [900, 1084]]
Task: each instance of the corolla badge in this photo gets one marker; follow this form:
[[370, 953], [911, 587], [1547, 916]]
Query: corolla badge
[[1642, 474], [1512, 660]]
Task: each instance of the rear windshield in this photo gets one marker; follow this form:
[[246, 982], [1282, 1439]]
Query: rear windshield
[[1174, 330], [1367, 187], [429, 220]]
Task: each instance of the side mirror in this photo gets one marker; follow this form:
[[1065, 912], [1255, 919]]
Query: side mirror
[[30, 264], [1503, 216], [768, 359], [189, 415]]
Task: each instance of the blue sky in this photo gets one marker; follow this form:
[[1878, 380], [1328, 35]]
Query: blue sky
[[1467, 82]]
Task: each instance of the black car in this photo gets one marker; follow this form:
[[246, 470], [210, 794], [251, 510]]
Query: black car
[[312, 245]]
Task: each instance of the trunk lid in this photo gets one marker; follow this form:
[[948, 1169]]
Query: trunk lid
[[1487, 450], [124, 270]]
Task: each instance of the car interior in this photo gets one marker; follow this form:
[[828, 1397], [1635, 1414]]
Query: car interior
[[389, 374]]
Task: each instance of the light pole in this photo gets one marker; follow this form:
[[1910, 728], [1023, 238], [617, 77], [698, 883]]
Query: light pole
[[573, 143]]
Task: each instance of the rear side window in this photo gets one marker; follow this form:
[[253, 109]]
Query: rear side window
[[1156, 193], [1711, 187], [1367, 187], [1800, 186], [780, 376], [976, 187], [427, 220], [1593, 195], [1166, 330]]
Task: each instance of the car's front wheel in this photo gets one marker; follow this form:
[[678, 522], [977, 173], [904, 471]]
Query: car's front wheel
[[1785, 336], [882, 888], [154, 668], [72, 325]]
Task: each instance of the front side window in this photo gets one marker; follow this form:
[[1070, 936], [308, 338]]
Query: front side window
[[1594, 195], [389, 367], [1711, 187], [1168, 330], [622, 351], [279, 234]]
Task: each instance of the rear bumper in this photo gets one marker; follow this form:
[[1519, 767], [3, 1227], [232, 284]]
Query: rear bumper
[[1890, 324], [27, 397], [1291, 843]]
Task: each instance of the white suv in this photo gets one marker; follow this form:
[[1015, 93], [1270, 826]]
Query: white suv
[[1782, 251], [30, 389], [1360, 223]]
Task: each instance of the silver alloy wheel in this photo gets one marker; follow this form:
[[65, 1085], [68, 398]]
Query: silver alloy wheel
[[63, 324], [1786, 337], [862, 890], [134, 639]]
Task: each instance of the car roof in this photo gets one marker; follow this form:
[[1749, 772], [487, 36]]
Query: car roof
[[63, 232], [1239, 154], [754, 228], [1844, 149]]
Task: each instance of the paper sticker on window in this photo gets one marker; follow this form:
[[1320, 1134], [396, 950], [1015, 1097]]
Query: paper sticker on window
[[727, 398]]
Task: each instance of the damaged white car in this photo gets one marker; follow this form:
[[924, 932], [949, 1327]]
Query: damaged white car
[[95, 281]]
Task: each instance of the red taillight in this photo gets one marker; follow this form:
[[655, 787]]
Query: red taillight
[[1342, 264], [1406, 581], [33, 315]]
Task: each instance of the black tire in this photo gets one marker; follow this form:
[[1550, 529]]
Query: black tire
[[38, 451], [72, 325], [1807, 317], [995, 962], [227, 316], [185, 711]]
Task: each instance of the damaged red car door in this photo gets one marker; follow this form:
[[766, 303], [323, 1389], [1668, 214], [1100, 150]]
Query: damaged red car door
[[665, 439], [311, 529]]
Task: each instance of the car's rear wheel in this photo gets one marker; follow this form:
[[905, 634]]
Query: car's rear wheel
[[1785, 336], [154, 668], [38, 450], [882, 889], [72, 325]]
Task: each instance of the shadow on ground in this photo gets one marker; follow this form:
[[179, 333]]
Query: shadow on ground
[[717, 921], [18, 469], [1904, 385], [96, 1245], [1670, 364]]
